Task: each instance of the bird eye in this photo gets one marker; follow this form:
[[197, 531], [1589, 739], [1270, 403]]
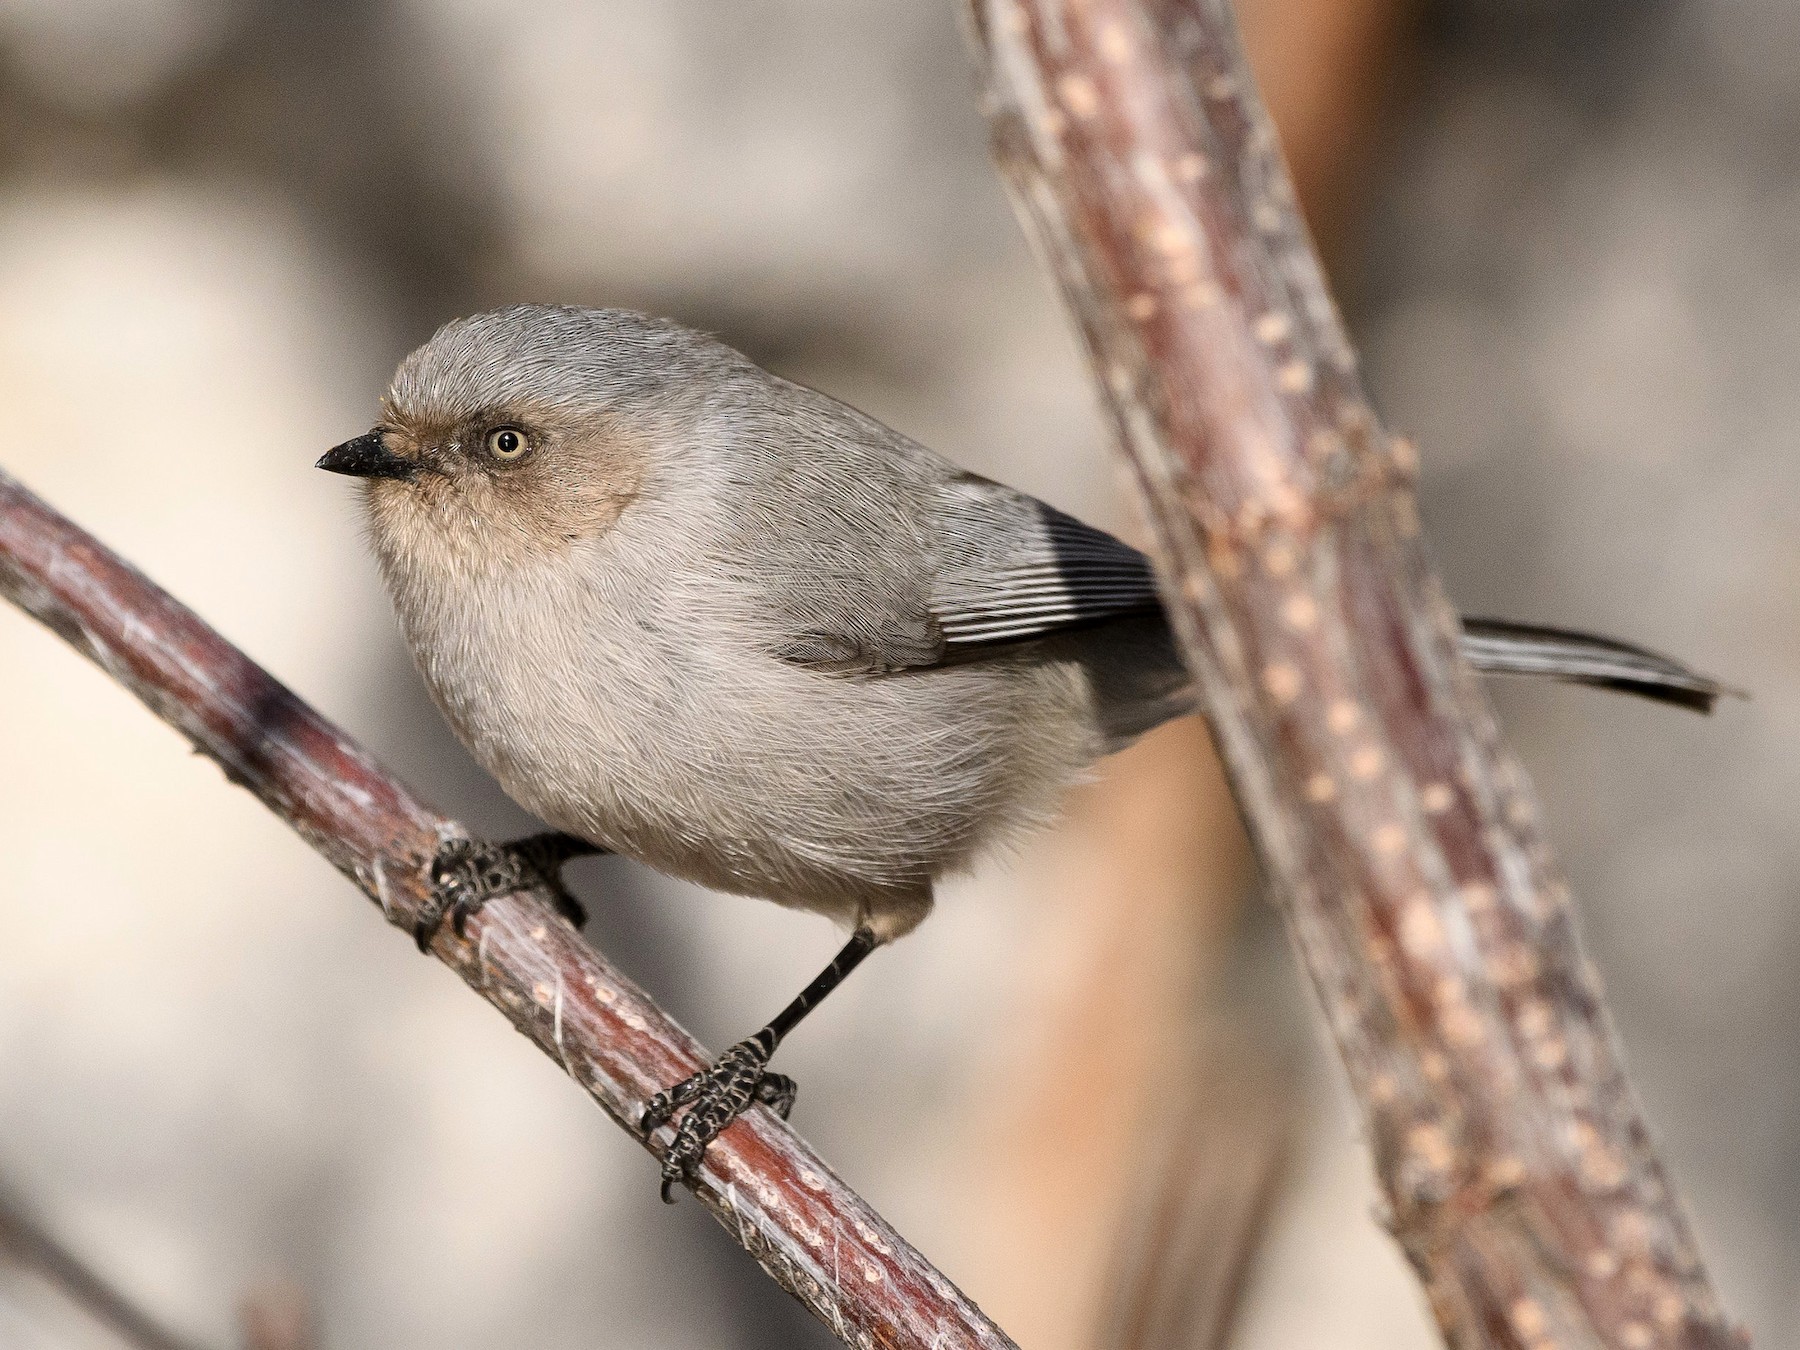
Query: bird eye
[[508, 444]]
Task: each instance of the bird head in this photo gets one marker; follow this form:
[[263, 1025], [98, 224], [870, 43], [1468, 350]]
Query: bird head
[[523, 430]]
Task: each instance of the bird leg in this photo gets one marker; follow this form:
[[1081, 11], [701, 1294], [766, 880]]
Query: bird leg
[[467, 873], [716, 1096]]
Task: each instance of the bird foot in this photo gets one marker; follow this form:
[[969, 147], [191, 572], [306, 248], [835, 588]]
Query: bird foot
[[467, 873], [715, 1097]]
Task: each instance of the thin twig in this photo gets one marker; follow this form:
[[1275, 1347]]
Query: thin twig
[[814, 1235], [25, 1241], [275, 1317], [1182, 1258], [1401, 836]]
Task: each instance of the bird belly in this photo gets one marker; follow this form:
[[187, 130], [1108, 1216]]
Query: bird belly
[[746, 774]]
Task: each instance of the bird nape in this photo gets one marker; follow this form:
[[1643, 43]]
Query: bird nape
[[693, 613]]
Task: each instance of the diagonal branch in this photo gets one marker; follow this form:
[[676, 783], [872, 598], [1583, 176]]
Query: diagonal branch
[[815, 1236], [1402, 837], [24, 1241]]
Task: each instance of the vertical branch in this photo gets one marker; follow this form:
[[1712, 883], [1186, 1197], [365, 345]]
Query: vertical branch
[[276, 1317], [1182, 1265], [1402, 837]]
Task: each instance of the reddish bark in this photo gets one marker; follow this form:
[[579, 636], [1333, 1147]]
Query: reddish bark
[[816, 1237], [1400, 835]]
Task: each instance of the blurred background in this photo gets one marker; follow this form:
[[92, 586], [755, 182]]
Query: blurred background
[[1092, 1089]]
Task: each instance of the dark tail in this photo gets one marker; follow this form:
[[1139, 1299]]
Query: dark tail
[[1506, 648]]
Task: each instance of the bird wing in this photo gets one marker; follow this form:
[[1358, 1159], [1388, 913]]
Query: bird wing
[[1015, 570], [995, 569]]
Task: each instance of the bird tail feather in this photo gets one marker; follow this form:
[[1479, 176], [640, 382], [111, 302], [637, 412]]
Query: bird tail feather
[[1499, 646]]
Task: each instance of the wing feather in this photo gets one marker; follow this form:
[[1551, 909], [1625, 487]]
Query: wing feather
[[1046, 574]]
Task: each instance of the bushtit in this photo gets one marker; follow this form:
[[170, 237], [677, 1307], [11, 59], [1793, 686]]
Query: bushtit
[[690, 612]]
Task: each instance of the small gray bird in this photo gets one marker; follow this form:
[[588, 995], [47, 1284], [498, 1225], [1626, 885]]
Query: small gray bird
[[693, 613]]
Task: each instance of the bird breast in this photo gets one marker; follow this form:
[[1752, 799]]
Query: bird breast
[[619, 705]]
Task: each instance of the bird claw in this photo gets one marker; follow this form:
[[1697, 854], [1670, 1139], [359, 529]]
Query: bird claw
[[715, 1097], [467, 873]]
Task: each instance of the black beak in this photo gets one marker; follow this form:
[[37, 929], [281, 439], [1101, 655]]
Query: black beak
[[367, 457]]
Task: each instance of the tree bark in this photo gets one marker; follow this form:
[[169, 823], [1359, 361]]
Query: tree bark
[[815, 1236], [1403, 840]]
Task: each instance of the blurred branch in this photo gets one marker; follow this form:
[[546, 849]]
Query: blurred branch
[[817, 1238], [1401, 836], [27, 1243], [275, 1317], [1182, 1258]]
